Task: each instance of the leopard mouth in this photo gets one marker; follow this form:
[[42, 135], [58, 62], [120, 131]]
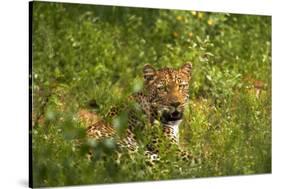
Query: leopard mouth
[[169, 117]]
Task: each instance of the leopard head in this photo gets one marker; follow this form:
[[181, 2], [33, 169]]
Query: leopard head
[[167, 91]]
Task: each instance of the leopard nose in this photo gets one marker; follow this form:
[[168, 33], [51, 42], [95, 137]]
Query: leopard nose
[[175, 104]]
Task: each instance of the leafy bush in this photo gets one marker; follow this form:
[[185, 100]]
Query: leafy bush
[[85, 53]]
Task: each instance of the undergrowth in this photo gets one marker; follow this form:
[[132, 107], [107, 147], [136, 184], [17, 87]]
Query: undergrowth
[[87, 53]]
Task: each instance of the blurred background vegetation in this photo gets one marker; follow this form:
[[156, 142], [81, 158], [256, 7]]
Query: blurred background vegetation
[[83, 53]]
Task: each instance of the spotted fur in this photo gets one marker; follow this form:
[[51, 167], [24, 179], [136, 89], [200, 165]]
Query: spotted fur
[[163, 98]]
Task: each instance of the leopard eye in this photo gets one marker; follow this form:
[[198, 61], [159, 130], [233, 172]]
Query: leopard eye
[[183, 85], [160, 87]]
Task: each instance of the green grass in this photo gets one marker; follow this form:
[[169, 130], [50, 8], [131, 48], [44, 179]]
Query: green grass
[[85, 52]]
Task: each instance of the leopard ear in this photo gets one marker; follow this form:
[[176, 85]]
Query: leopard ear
[[149, 72], [187, 68]]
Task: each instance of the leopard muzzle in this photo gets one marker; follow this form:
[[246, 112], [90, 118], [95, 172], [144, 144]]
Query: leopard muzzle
[[171, 114]]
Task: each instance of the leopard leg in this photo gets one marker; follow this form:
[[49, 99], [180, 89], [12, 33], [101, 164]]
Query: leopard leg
[[188, 157]]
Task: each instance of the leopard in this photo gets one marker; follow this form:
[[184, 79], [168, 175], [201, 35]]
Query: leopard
[[162, 101]]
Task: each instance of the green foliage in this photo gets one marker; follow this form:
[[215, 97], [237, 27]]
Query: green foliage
[[85, 53]]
